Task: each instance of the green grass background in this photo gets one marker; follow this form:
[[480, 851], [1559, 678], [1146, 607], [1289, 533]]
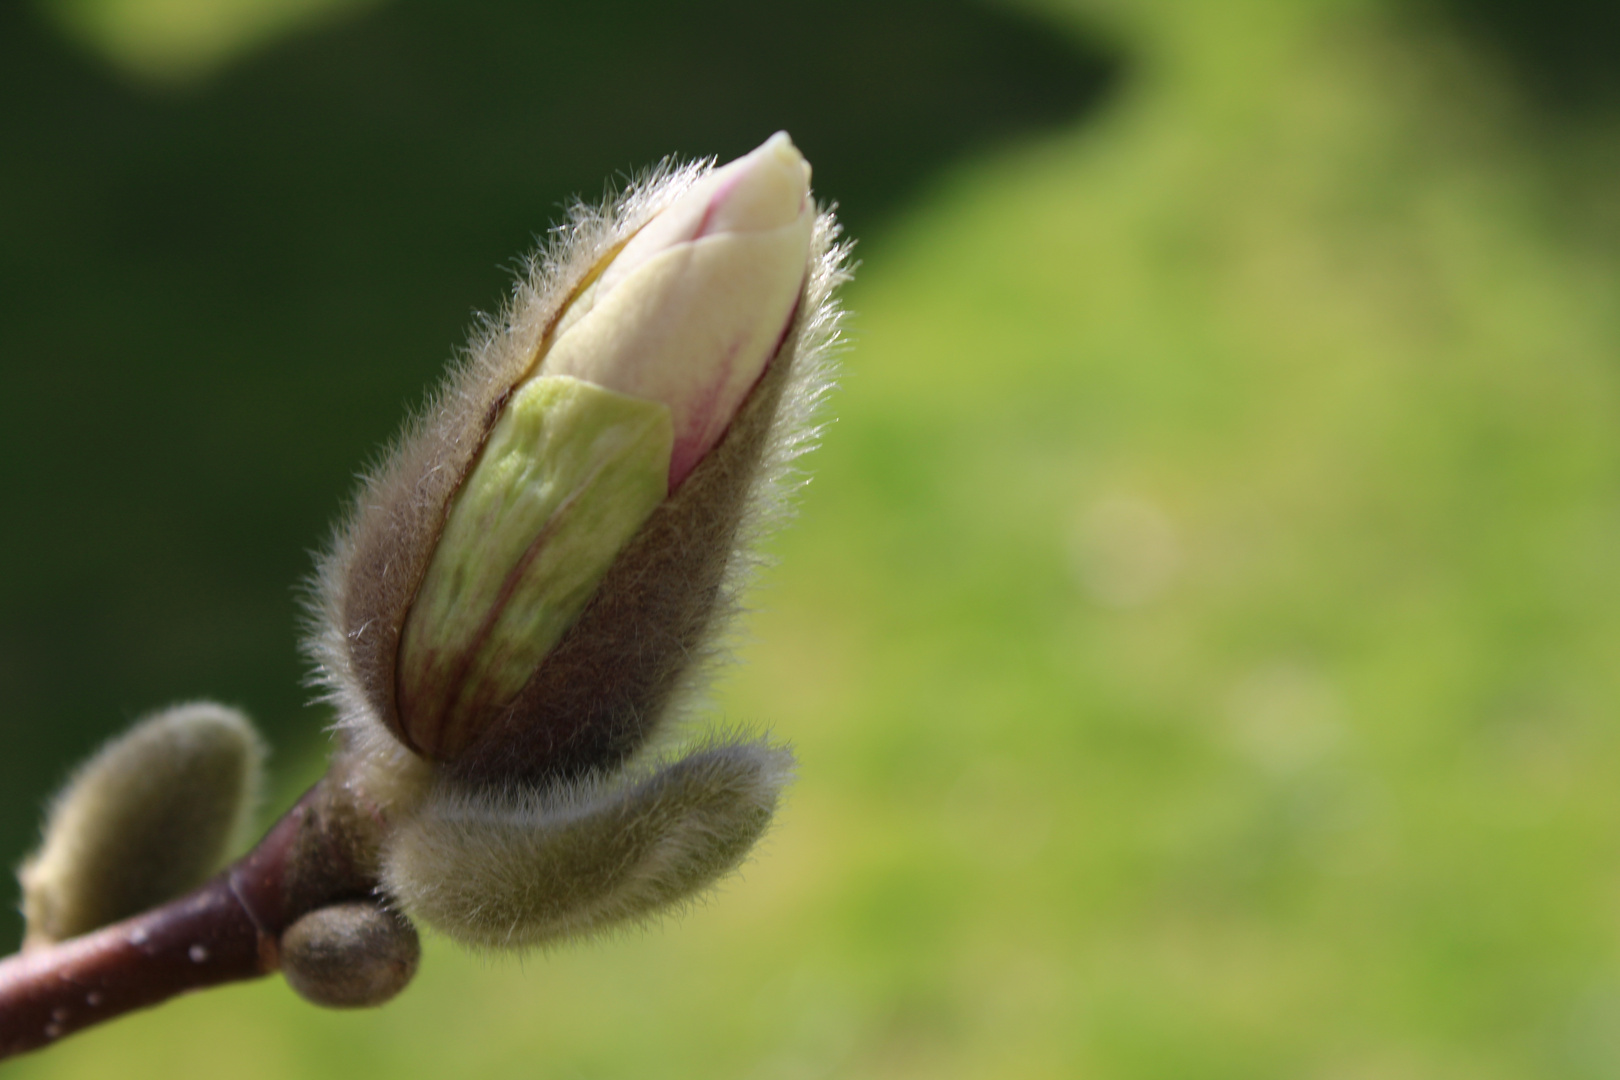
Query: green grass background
[[1201, 636]]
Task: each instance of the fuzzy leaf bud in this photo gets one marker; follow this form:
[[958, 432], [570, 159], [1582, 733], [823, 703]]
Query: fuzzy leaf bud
[[524, 867], [151, 815]]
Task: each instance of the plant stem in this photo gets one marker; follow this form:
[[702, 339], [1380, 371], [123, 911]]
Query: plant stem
[[203, 939], [322, 851]]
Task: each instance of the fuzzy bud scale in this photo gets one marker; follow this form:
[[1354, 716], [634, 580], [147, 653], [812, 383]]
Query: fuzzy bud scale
[[568, 475], [645, 371]]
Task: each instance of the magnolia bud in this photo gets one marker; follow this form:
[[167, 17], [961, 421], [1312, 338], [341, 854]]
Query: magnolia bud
[[349, 956], [696, 304], [528, 582], [569, 474], [680, 323], [148, 817], [539, 569]]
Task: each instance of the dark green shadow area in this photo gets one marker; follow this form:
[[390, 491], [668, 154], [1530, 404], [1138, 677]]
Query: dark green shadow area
[[1565, 53], [218, 303]]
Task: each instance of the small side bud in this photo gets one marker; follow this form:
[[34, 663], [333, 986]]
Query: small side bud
[[350, 956], [148, 817], [525, 868]]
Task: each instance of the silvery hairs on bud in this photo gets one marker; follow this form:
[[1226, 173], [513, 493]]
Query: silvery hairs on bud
[[612, 677], [541, 790], [522, 867], [151, 815]]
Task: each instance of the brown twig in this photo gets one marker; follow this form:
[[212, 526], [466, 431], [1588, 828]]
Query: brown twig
[[323, 851], [200, 940]]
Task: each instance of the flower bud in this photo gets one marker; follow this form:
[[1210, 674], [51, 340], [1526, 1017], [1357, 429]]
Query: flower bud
[[568, 475], [527, 583], [538, 571], [693, 308], [680, 323]]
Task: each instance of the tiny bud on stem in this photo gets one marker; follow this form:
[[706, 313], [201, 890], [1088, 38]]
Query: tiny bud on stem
[[349, 956]]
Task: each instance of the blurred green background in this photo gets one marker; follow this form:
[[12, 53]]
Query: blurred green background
[[1201, 638]]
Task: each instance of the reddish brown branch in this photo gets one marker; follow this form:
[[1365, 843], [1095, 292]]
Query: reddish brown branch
[[321, 852], [203, 939]]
